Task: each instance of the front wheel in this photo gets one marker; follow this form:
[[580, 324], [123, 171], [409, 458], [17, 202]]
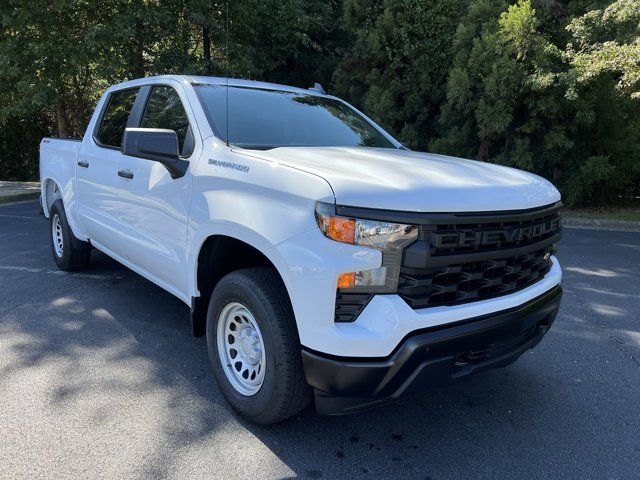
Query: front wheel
[[69, 253], [254, 347]]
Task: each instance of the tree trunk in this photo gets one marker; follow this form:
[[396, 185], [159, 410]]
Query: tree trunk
[[138, 51], [61, 118], [139, 59], [206, 46]]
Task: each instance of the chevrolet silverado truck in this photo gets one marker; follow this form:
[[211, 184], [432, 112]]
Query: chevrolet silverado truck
[[319, 257]]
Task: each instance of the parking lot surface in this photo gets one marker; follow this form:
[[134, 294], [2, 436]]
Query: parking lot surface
[[101, 378]]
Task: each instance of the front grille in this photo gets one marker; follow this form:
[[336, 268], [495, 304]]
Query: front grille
[[454, 263], [472, 281]]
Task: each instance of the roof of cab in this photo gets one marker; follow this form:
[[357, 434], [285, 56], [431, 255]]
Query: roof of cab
[[234, 82]]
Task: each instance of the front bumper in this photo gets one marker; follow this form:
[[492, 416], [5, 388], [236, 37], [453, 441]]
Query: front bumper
[[429, 357]]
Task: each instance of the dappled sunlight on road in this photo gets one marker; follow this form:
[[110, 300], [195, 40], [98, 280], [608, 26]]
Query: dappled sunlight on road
[[608, 310], [93, 372], [598, 272], [626, 245], [601, 291], [62, 301], [635, 337]]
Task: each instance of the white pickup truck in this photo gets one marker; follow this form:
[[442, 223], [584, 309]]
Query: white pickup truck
[[317, 254]]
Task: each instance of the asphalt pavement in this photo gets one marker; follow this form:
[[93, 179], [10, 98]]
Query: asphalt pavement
[[101, 378]]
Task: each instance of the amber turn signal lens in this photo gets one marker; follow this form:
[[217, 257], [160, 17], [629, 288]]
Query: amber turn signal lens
[[347, 280], [341, 229]]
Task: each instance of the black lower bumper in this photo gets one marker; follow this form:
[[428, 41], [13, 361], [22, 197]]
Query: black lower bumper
[[429, 357]]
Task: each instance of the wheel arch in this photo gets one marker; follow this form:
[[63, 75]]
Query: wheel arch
[[51, 192], [218, 254]]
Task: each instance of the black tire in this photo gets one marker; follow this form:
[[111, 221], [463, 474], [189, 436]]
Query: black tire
[[284, 390], [74, 254]]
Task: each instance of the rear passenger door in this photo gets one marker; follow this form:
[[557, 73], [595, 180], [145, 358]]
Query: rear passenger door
[[99, 160], [153, 208]]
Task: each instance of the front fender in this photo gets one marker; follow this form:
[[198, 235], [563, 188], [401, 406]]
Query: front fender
[[236, 231], [261, 206]]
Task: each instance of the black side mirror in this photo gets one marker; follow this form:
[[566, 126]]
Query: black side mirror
[[155, 144]]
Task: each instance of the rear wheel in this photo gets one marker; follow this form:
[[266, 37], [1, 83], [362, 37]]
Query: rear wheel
[[69, 253], [254, 347]]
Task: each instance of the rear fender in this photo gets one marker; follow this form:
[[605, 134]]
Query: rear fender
[[52, 191]]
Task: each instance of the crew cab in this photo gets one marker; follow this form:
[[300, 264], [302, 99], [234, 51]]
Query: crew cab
[[319, 256]]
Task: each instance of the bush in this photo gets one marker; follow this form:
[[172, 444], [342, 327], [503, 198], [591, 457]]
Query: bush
[[19, 143], [519, 96]]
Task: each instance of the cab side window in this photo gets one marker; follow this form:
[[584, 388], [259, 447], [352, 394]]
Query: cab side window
[[114, 119], [165, 110]]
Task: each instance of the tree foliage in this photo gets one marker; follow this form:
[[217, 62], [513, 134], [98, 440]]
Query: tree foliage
[[531, 88], [398, 61], [550, 86], [61, 54]]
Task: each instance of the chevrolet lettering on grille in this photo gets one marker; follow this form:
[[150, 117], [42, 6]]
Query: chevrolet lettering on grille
[[498, 236]]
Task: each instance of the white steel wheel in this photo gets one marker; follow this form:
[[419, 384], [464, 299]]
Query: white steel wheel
[[56, 232], [241, 349]]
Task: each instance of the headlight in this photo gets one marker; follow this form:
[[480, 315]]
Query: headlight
[[389, 238]]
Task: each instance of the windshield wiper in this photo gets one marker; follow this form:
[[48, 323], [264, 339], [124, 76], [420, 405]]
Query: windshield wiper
[[251, 146]]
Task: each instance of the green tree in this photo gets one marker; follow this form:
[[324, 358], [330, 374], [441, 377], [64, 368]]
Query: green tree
[[58, 56], [47, 61], [502, 90], [604, 84], [518, 95], [396, 65], [286, 41]]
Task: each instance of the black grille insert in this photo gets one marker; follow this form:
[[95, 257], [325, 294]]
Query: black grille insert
[[454, 263]]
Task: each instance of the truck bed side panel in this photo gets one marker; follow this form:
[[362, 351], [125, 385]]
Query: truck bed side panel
[[58, 159]]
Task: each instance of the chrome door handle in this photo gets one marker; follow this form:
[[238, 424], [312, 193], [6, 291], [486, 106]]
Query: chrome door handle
[[125, 174], [83, 164]]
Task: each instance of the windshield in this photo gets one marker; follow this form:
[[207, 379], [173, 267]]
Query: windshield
[[263, 119]]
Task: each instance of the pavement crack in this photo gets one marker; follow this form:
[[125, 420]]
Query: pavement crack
[[43, 299], [12, 307]]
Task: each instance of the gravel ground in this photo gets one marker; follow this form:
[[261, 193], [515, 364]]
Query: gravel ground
[[100, 378]]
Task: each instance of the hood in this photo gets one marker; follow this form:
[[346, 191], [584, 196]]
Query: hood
[[419, 182]]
